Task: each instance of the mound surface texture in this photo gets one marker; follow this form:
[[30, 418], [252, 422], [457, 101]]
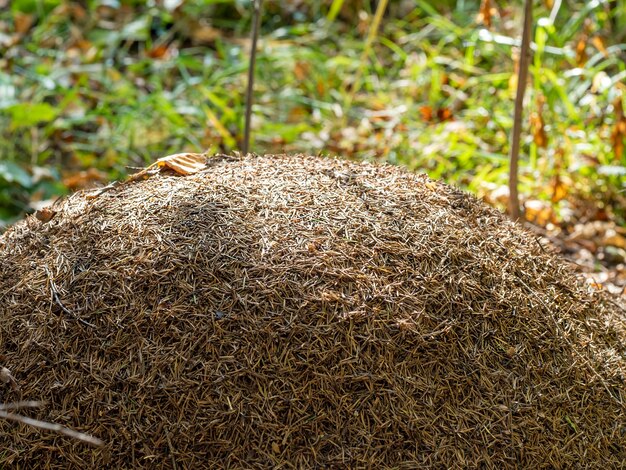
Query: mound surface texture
[[301, 312]]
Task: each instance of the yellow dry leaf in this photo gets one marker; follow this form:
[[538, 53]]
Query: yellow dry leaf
[[183, 163], [618, 135], [559, 189], [320, 87], [539, 212], [581, 50], [599, 44], [537, 124], [275, 448], [23, 22], [485, 13], [595, 285]]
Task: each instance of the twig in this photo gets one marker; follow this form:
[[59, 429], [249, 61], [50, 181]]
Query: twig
[[104, 189], [57, 299], [171, 447], [149, 171], [94, 441], [255, 36], [514, 209]]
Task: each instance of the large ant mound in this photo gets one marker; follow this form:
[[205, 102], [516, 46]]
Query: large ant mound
[[303, 312]]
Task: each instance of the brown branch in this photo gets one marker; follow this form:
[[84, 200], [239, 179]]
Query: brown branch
[[256, 22], [94, 441], [524, 62]]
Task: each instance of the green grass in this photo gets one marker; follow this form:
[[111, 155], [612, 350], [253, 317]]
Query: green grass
[[86, 91]]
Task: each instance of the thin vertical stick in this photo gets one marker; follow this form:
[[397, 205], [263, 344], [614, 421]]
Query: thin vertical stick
[[256, 22], [514, 209]]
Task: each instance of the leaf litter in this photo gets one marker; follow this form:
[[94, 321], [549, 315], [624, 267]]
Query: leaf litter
[[292, 311]]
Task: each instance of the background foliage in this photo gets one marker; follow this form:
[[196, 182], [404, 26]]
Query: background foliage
[[88, 89]]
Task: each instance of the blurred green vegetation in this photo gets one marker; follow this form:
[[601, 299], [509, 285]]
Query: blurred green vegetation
[[90, 88]]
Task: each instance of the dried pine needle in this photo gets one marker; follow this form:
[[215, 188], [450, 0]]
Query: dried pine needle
[[297, 312]]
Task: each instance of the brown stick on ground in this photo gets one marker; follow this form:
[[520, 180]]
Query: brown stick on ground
[[514, 209], [149, 171], [6, 414]]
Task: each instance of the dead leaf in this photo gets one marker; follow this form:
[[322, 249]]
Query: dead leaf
[[594, 285], [599, 44], [618, 135], [301, 70], [183, 163], [537, 124], [444, 114], [320, 86], [581, 50], [45, 215], [559, 184], [496, 195], [559, 189], [161, 51], [485, 13], [539, 212], [426, 112], [23, 22], [436, 115], [275, 448]]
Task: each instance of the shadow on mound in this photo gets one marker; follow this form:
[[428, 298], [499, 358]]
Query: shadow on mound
[[304, 312]]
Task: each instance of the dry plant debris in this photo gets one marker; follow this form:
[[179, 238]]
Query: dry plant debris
[[290, 311]]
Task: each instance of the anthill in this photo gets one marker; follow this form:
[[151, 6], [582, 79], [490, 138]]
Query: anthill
[[302, 312]]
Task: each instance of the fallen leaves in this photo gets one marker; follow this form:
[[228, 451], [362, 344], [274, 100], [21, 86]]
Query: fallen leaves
[[537, 124], [430, 115], [486, 13], [618, 135], [23, 22], [45, 214], [183, 163], [581, 50], [539, 212], [160, 52], [559, 189]]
